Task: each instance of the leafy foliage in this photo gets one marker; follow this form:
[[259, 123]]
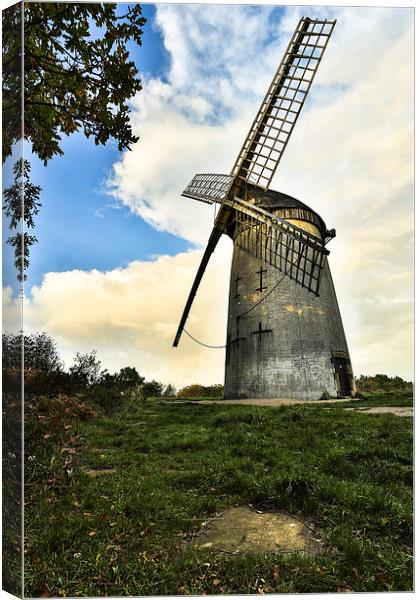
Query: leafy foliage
[[11, 350], [21, 200], [152, 389], [382, 383], [43, 365], [128, 377], [21, 244], [22, 195], [86, 369], [41, 353], [45, 375], [169, 391], [77, 74], [197, 390]]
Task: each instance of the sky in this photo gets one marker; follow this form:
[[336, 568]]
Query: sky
[[119, 247]]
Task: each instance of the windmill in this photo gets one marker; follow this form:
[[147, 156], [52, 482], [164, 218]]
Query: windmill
[[285, 336]]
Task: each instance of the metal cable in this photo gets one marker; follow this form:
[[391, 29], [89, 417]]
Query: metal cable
[[239, 316], [202, 343], [262, 299]]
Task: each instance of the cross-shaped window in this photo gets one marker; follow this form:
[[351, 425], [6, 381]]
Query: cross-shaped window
[[260, 331], [238, 337], [261, 273]]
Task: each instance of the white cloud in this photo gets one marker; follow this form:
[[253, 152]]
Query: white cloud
[[359, 117], [151, 178], [131, 315]]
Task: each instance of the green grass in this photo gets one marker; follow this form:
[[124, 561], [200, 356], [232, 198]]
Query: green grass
[[397, 398], [125, 533]]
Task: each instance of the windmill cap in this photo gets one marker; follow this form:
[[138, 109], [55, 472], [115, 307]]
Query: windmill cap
[[284, 206]]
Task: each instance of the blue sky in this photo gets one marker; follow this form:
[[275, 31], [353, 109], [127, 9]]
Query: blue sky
[[79, 226], [112, 270]]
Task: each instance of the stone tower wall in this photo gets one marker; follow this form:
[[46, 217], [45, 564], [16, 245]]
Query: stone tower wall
[[287, 346]]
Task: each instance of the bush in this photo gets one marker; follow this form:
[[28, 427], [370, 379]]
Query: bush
[[41, 353], [151, 389], [43, 367], [382, 383], [201, 391], [108, 398]]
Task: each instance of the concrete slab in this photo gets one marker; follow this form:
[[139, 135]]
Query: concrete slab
[[244, 530]]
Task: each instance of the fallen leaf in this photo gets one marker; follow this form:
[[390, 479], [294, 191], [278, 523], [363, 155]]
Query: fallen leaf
[[382, 577], [276, 572]]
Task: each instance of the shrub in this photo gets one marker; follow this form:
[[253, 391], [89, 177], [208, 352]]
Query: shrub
[[382, 383], [197, 390], [43, 367], [86, 370], [108, 398], [151, 388]]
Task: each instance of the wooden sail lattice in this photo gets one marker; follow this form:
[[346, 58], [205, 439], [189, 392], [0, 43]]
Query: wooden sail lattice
[[265, 143], [289, 249], [208, 187]]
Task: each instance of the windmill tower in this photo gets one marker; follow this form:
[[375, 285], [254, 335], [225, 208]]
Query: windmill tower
[[285, 336]]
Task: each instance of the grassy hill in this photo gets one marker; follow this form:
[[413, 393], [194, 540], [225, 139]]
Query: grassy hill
[[112, 499]]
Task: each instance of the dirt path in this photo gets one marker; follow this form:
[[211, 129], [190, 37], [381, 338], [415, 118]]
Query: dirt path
[[400, 411], [269, 401]]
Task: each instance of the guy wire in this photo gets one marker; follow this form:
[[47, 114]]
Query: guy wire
[[239, 316], [202, 343]]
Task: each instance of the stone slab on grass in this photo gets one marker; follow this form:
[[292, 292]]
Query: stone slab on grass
[[243, 530]]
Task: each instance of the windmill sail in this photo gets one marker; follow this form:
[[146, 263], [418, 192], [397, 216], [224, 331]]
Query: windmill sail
[[273, 125], [211, 245], [208, 187], [287, 247], [222, 219], [293, 251]]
